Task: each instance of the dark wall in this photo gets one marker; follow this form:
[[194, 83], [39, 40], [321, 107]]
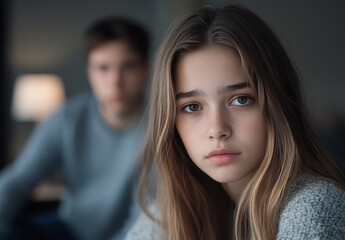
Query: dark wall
[[4, 96]]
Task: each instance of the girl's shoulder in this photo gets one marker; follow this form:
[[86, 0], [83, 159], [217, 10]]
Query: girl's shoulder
[[312, 208], [311, 188]]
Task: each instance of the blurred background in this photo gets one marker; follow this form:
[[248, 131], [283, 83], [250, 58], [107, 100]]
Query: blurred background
[[41, 45]]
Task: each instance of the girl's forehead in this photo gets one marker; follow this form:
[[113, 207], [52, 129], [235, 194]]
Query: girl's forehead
[[208, 66]]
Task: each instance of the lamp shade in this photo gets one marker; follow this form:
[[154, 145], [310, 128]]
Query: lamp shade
[[36, 96]]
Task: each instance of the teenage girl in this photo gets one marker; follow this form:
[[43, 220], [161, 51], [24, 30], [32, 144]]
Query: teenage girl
[[233, 153]]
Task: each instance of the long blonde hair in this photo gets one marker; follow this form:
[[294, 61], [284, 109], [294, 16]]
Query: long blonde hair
[[191, 204]]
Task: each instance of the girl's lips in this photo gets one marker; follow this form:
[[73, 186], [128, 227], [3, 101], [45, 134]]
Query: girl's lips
[[221, 152], [222, 156]]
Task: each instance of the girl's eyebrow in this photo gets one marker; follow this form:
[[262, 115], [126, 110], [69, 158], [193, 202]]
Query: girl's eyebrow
[[189, 94], [235, 87], [195, 93]]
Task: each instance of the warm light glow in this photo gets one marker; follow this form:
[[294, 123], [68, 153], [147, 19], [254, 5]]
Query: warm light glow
[[36, 96]]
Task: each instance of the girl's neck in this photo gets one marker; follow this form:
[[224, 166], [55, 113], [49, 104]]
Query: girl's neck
[[235, 189]]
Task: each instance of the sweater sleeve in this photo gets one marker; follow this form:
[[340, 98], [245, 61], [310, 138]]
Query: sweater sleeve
[[315, 212], [38, 159]]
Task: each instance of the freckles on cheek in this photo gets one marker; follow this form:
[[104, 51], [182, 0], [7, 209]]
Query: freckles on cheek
[[183, 129], [252, 128], [252, 124]]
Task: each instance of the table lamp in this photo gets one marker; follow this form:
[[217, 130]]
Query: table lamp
[[36, 96]]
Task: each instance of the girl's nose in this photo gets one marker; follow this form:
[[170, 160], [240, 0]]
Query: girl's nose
[[219, 125]]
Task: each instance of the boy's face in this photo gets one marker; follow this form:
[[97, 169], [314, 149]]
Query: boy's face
[[117, 75]]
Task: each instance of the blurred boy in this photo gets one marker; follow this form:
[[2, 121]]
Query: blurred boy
[[95, 139]]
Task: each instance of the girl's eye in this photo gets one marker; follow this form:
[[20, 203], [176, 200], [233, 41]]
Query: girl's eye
[[241, 101], [192, 108]]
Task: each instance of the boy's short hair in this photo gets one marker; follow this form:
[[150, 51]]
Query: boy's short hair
[[117, 29]]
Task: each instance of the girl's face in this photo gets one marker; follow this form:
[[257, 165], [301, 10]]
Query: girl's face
[[218, 118]]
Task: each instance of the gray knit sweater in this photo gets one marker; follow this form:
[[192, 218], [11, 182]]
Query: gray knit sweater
[[312, 209]]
